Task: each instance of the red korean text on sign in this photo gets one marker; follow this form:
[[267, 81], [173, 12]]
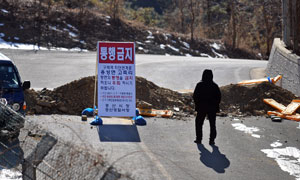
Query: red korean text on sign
[[119, 53]]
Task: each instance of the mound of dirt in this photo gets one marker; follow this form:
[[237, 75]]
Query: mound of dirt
[[75, 96], [248, 100]]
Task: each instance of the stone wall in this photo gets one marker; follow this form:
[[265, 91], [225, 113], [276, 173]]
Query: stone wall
[[283, 61]]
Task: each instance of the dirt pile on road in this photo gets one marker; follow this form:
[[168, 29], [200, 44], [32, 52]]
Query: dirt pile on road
[[248, 100], [75, 96]]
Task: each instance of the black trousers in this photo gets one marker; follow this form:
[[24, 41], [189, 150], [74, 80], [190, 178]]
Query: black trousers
[[199, 124]]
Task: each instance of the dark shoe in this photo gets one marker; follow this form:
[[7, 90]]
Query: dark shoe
[[197, 142], [211, 142]]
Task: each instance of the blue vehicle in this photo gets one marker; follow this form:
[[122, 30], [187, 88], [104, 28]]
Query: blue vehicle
[[11, 86]]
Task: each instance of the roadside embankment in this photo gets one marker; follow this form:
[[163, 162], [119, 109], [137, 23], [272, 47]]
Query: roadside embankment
[[282, 61]]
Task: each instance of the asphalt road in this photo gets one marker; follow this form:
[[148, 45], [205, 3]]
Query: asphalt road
[[164, 149], [48, 69]]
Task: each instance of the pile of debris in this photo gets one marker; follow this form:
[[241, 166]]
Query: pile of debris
[[248, 100], [75, 96]]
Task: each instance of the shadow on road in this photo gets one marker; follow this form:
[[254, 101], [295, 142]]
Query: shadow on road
[[215, 159], [11, 154], [118, 133]]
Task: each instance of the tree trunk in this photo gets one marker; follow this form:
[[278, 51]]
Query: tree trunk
[[233, 21], [295, 25], [268, 30], [208, 18]]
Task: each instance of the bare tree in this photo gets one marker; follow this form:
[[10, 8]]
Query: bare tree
[[115, 8], [194, 9], [233, 22], [181, 6], [268, 13]]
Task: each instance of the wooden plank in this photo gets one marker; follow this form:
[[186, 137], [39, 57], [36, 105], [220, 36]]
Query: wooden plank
[[291, 108], [155, 112], [275, 104]]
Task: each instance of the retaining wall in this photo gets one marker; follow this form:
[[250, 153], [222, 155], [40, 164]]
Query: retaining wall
[[283, 61]]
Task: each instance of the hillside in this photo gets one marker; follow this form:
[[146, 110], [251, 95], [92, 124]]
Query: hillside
[[28, 22]]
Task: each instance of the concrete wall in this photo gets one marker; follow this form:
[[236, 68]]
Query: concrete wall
[[283, 61]]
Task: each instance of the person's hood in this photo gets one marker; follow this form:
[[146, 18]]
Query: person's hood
[[207, 75]]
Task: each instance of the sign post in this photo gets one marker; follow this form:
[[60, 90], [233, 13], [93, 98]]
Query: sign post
[[116, 79]]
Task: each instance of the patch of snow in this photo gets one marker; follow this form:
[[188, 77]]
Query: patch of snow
[[276, 144], [7, 174], [149, 32], [17, 38], [235, 119], [140, 43], [1, 24], [247, 130], [72, 27], [53, 28], [287, 158], [176, 109], [187, 45], [107, 17], [167, 54], [82, 42], [162, 46], [148, 41], [173, 48], [72, 34], [166, 36], [140, 48], [205, 55], [188, 55], [21, 27], [218, 54], [216, 46], [150, 37], [4, 11], [11, 45], [174, 42], [255, 135], [2, 35]]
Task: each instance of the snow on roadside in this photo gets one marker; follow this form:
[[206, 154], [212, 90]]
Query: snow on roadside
[[4, 11], [173, 48], [216, 46], [7, 174], [205, 55], [150, 36], [11, 45], [218, 54], [187, 45]]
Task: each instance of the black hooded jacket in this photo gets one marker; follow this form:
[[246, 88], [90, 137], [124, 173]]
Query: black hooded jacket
[[207, 95]]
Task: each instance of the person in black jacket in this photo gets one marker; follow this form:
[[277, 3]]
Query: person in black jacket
[[207, 97]]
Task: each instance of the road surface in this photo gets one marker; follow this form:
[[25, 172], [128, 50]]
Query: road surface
[[246, 148], [48, 69]]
